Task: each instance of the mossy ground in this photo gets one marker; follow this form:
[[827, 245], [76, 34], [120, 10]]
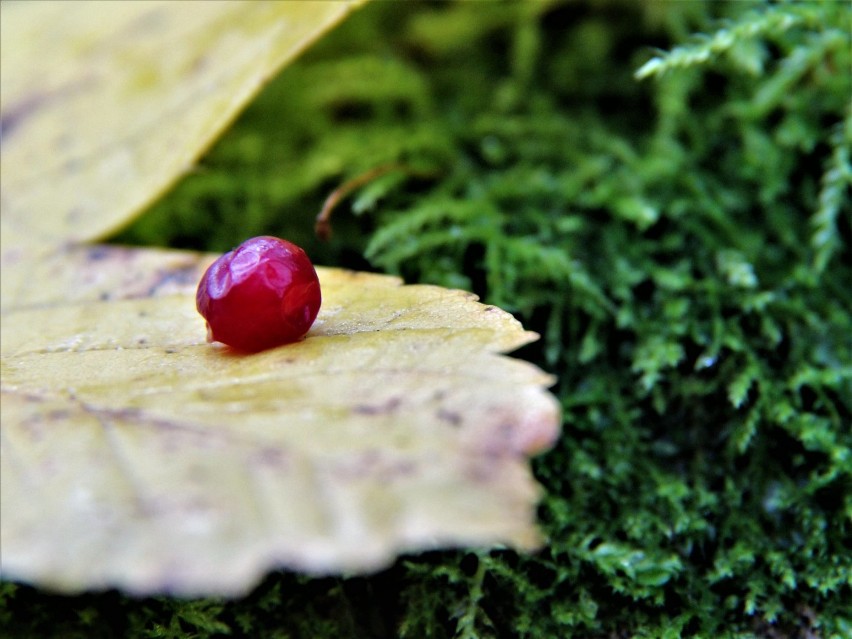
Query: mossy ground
[[679, 236]]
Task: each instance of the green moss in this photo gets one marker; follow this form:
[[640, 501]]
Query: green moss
[[675, 224]]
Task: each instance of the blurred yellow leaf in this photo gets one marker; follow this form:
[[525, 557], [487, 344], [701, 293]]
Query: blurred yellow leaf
[[104, 105], [136, 455]]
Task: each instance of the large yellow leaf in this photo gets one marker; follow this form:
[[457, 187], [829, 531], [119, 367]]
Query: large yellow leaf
[[103, 105], [137, 455]]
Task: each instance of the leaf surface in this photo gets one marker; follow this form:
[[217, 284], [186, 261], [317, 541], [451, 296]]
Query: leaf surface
[[104, 105], [137, 455]]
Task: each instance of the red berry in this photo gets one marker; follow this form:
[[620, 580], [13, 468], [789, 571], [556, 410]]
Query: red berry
[[262, 294]]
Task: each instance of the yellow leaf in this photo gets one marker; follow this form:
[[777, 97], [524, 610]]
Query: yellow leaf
[[103, 105], [135, 455]]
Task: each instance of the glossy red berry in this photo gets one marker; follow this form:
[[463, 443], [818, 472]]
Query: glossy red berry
[[262, 294]]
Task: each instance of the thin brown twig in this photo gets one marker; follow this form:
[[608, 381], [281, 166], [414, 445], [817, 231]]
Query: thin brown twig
[[322, 226]]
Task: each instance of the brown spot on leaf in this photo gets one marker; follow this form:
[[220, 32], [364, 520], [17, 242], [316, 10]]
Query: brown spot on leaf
[[99, 253], [376, 465], [269, 456], [176, 278], [18, 113], [25, 108], [450, 417], [378, 409]]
